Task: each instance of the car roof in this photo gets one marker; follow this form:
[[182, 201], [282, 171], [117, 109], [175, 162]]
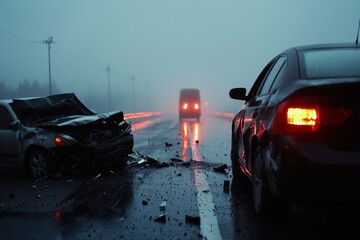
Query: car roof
[[190, 93], [190, 90], [6, 101], [326, 45]]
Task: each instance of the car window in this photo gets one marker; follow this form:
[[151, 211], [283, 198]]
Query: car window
[[272, 76], [257, 85], [5, 118], [330, 63]]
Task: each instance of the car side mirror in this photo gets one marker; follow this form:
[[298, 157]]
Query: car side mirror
[[16, 125], [238, 93]]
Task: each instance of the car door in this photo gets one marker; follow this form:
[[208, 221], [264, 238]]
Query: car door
[[259, 95], [9, 144]]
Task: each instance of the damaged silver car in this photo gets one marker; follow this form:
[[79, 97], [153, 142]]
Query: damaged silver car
[[59, 134]]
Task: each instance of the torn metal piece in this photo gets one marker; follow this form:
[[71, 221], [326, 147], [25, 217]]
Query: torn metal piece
[[163, 205], [192, 219], [141, 162], [176, 159], [160, 218], [221, 169], [97, 176]]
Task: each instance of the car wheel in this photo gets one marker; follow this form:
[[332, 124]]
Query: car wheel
[[260, 187], [38, 163]]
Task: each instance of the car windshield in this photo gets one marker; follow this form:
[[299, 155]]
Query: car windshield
[[330, 63]]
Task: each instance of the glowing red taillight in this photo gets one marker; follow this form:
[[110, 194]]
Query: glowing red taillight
[[196, 106], [185, 106], [60, 141], [302, 116], [297, 115]]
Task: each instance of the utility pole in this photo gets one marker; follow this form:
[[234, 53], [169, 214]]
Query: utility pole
[[48, 42], [108, 72], [148, 96], [133, 92]]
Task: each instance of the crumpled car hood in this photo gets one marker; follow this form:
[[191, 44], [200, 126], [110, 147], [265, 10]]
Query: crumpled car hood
[[77, 120], [33, 111]]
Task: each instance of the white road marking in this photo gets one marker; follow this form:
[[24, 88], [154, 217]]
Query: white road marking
[[209, 226]]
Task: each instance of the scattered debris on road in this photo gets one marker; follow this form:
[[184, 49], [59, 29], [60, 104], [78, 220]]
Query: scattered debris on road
[[160, 218], [163, 205], [192, 219], [221, 169], [137, 159]]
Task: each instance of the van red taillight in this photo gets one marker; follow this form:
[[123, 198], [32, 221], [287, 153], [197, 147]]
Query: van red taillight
[[185, 106], [196, 106], [297, 115], [60, 141]]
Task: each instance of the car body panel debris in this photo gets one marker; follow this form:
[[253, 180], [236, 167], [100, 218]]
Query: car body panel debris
[[160, 218], [137, 159], [192, 219]]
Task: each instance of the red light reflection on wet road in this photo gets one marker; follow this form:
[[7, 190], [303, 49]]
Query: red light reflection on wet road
[[185, 145], [191, 135], [140, 125], [137, 115], [140, 120]]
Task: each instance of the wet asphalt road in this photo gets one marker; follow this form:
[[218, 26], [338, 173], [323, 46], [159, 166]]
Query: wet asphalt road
[[173, 188]]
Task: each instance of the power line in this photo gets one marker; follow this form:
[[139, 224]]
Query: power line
[[19, 37], [19, 22]]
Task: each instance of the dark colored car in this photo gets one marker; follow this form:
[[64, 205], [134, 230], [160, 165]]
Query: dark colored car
[[297, 134], [59, 134], [189, 103]]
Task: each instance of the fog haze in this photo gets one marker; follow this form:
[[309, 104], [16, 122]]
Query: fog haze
[[160, 46]]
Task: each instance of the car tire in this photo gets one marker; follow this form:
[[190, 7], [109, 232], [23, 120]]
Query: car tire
[[120, 164], [260, 187], [37, 162], [235, 165], [235, 168]]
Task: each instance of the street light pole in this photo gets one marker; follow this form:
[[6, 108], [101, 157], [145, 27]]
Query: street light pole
[[48, 42], [108, 71]]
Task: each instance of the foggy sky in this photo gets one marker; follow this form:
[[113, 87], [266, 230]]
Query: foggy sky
[[165, 45]]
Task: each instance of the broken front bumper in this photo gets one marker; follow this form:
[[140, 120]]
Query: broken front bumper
[[110, 152]]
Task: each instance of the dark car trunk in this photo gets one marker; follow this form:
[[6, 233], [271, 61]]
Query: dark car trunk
[[339, 106]]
